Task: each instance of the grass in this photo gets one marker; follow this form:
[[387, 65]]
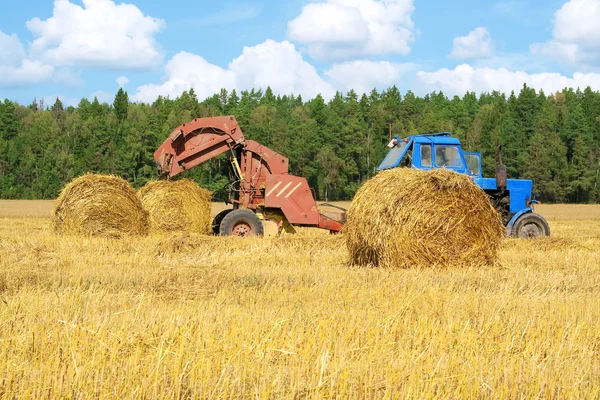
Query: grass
[[185, 316]]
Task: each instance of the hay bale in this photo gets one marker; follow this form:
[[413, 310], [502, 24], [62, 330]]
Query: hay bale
[[99, 205], [175, 206], [411, 218]]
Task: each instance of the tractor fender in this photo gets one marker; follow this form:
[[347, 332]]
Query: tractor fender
[[513, 220]]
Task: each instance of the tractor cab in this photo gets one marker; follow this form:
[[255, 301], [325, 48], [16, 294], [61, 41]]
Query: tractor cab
[[432, 151], [511, 197]]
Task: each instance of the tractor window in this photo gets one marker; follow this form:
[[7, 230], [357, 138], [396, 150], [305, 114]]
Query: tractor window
[[391, 160], [473, 163], [448, 156], [407, 159], [426, 155]]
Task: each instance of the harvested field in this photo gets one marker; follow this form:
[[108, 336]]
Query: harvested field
[[189, 316], [179, 205]]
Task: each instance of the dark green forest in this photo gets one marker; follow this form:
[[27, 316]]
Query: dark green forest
[[337, 145]]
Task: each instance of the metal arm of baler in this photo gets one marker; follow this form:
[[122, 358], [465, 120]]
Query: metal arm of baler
[[196, 142]]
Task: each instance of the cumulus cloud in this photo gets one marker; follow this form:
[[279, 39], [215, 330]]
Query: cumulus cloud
[[28, 72], [465, 78], [185, 71], [576, 34], [99, 34], [338, 29], [12, 50], [15, 69], [275, 64], [122, 81], [364, 75], [279, 65], [477, 44]]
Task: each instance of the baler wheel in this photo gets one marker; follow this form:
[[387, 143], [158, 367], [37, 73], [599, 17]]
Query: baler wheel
[[242, 223], [216, 222], [531, 226]]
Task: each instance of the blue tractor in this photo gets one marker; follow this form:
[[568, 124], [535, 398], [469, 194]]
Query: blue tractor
[[511, 197]]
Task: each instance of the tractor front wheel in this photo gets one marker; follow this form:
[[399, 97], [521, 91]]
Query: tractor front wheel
[[242, 223], [531, 226]]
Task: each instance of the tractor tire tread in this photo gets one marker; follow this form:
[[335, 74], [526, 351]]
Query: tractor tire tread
[[216, 222], [236, 216], [532, 218]]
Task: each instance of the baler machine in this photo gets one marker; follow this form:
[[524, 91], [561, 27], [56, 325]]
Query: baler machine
[[266, 199]]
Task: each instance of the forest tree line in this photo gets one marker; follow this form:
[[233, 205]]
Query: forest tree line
[[337, 144]]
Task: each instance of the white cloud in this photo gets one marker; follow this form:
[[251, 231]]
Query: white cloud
[[337, 29], [281, 66], [67, 76], [477, 44], [12, 50], [466, 78], [185, 71], [363, 75], [28, 72], [275, 64], [576, 34], [567, 53], [100, 34], [15, 69], [577, 22], [122, 81]]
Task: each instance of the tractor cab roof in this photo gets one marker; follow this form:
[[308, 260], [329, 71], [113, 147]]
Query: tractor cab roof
[[435, 138]]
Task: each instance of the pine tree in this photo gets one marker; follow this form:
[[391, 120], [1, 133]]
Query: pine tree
[[527, 112], [318, 110], [268, 98], [121, 104], [546, 160], [59, 115], [9, 120], [581, 172], [232, 103]]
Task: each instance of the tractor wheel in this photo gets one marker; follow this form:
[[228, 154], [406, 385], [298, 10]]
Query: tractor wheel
[[242, 223], [216, 222], [531, 226]]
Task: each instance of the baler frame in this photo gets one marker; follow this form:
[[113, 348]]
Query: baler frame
[[261, 181]]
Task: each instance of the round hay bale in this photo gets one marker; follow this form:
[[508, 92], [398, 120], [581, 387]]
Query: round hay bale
[[179, 205], [411, 218], [99, 205]]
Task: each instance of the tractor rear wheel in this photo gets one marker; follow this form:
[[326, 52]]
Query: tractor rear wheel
[[216, 222], [242, 223], [531, 226]]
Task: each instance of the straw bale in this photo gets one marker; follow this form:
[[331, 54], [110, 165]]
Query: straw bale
[[177, 206], [409, 218], [99, 205]]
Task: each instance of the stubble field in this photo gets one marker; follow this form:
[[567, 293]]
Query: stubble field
[[175, 316]]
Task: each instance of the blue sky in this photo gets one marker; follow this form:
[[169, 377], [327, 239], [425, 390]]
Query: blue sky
[[87, 48]]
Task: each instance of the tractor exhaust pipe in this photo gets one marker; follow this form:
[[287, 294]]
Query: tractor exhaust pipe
[[501, 174]]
